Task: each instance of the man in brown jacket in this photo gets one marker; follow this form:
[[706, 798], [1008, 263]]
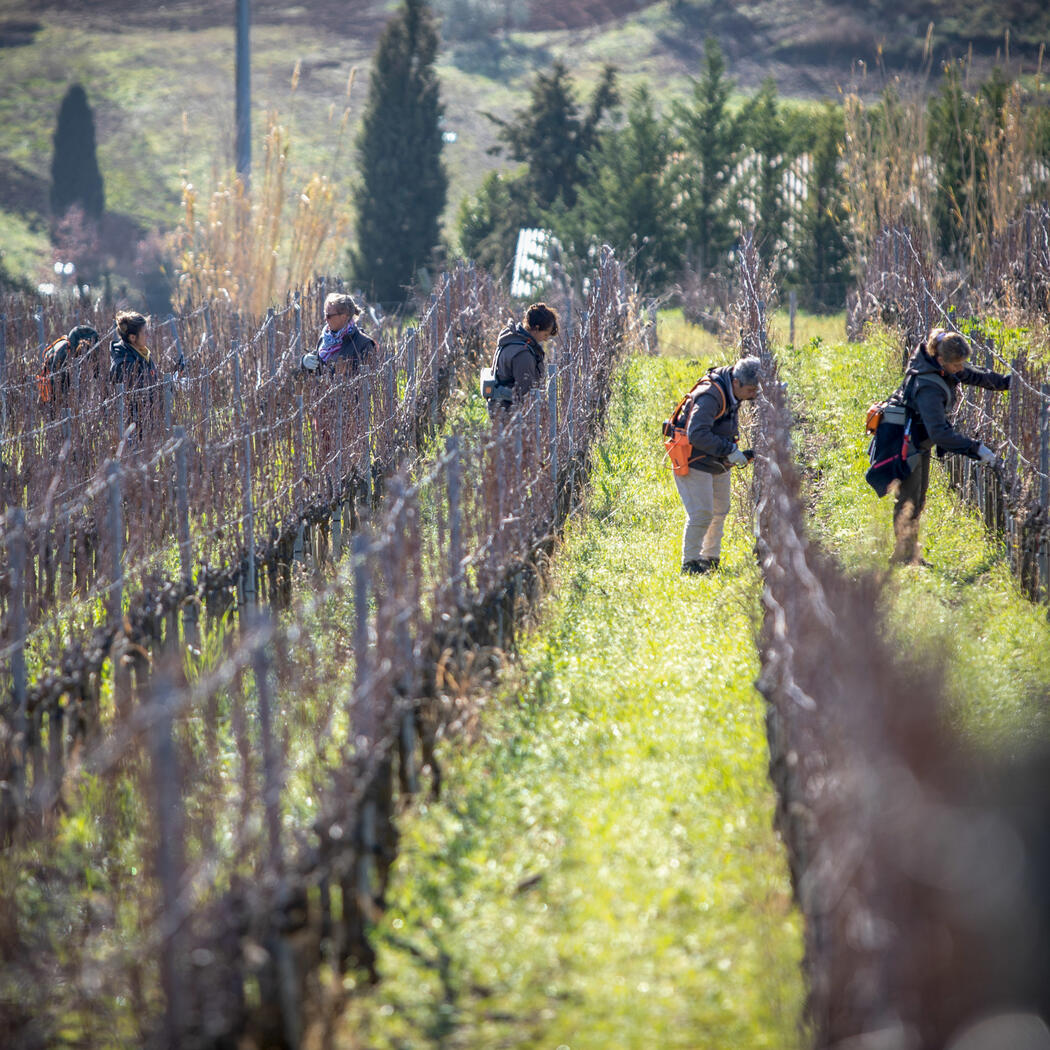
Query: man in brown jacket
[[710, 414]]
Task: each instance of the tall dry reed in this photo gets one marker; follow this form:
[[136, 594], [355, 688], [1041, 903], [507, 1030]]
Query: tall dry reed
[[973, 150], [256, 242]]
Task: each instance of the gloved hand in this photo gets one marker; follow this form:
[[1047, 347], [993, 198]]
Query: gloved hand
[[311, 362], [737, 458], [985, 454]]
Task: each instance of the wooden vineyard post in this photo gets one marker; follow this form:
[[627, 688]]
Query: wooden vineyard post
[[300, 445], [271, 340], [182, 497], [270, 756], [337, 505], [16, 550], [166, 388], [116, 533], [411, 391], [455, 555], [552, 408], [3, 376], [121, 672], [361, 722], [403, 641], [1044, 492], [249, 522], [298, 311], [364, 724], [170, 857], [366, 401], [173, 325]]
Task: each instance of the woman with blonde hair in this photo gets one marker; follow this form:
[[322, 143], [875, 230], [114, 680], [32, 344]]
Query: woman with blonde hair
[[341, 341]]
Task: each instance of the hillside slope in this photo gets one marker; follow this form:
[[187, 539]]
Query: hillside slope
[[160, 78]]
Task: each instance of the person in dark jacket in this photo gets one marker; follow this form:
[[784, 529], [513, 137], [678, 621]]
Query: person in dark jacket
[[710, 415], [130, 360], [929, 394], [53, 381], [519, 359], [341, 342]]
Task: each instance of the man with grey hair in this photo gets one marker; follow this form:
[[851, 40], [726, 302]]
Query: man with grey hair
[[708, 413]]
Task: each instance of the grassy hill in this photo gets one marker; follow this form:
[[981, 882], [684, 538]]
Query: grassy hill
[[160, 78]]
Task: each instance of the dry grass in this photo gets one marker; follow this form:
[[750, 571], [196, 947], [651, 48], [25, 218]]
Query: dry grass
[[254, 243], [892, 177]]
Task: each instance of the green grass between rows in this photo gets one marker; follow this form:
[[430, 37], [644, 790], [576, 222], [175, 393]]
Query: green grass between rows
[[968, 608], [602, 871]]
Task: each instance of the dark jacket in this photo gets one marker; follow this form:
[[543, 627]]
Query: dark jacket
[[930, 396], [711, 424], [128, 366], [519, 359], [61, 352], [354, 348]]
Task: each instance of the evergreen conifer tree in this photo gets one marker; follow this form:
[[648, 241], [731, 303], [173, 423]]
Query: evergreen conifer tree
[[489, 223], [823, 246], [75, 178], [404, 184], [768, 137], [552, 136], [711, 141], [628, 198]]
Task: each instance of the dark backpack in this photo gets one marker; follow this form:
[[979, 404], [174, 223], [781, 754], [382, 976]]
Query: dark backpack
[[57, 355]]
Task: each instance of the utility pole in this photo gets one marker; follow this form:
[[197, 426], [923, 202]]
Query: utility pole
[[244, 91]]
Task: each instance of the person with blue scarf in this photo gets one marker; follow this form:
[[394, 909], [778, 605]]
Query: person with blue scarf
[[341, 341]]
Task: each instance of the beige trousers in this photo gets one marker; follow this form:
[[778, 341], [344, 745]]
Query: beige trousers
[[706, 500]]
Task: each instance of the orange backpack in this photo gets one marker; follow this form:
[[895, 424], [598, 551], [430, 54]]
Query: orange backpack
[[679, 451], [47, 363]]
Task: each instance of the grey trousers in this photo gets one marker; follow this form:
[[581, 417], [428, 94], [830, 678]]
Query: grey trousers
[[706, 501]]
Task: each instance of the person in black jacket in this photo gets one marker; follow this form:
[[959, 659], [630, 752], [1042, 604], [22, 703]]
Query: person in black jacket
[[929, 395], [130, 359], [709, 415], [341, 342], [519, 359]]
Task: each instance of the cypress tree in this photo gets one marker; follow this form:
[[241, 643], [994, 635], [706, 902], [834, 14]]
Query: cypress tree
[[404, 184], [75, 178]]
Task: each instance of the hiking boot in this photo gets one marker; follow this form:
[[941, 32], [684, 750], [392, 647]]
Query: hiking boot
[[709, 564], [692, 568]]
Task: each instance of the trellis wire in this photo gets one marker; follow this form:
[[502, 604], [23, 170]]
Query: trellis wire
[[247, 949]]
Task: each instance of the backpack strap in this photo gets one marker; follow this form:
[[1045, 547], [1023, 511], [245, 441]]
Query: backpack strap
[[507, 361], [708, 380]]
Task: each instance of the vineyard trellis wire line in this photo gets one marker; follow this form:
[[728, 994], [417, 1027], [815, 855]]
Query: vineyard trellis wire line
[[888, 822], [239, 911], [902, 288], [240, 544], [299, 448]]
